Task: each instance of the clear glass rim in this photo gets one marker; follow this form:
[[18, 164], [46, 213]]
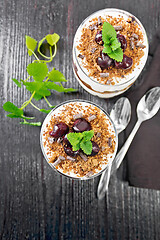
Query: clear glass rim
[[146, 52], [45, 155]]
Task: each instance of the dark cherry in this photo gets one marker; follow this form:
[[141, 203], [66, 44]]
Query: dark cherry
[[65, 141], [104, 61], [125, 64], [59, 130], [123, 41], [81, 125], [69, 151], [98, 37], [95, 148]]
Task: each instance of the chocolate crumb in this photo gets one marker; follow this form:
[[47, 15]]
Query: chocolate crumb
[[132, 44], [81, 56], [57, 162], [134, 35], [133, 19], [59, 140], [98, 134], [84, 157], [78, 115], [139, 44], [110, 142], [71, 159], [61, 157], [99, 20], [93, 50], [118, 28], [92, 117], [92, 27], [103, 75]]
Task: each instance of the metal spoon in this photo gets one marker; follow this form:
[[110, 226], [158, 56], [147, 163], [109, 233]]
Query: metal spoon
[[120, 114], [147, 107]]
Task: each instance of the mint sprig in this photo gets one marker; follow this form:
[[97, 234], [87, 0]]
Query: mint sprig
[[40, 81], [81, 141], [111, 44]]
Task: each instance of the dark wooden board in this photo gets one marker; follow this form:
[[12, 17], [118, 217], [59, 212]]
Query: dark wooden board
[[35, 202]]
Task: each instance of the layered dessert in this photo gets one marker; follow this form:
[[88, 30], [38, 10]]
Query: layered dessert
[[110, 50], [78, 139]]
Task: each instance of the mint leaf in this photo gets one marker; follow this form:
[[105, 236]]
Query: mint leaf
[[10, 107], [44, 110], [37, 70], [12, 115], [56, 76], [38, 124], [76, 147], [111, 44], [16, 82], [37, 97], [31, 44], [74, 138], [107, 49], [108, 32], [52, 39], [33, 86], [59, 88], [44, 92], [115, 44], [87, 135], [81, 140], [66, 90], [86, 146], [38, 87], [116, 55], [54, 86]]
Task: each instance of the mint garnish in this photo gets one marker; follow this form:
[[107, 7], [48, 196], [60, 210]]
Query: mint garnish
[[52, 39], [81, 140], [111, 44], [42, 80], [31, 44]]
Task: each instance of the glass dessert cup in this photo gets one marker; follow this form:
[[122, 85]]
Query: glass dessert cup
[[111, 129], [90, 84]]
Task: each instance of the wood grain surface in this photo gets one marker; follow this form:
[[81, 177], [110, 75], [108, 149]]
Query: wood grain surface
[[36, 202]]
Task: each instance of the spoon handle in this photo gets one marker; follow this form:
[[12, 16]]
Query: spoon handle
[[104, 180], [121, 154], [103, 183]]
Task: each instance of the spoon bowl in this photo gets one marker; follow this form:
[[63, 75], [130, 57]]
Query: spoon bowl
[[121, 114], [149, 104]]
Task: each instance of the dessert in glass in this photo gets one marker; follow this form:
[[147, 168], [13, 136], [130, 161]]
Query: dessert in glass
[[98, 73], [91, 126]]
